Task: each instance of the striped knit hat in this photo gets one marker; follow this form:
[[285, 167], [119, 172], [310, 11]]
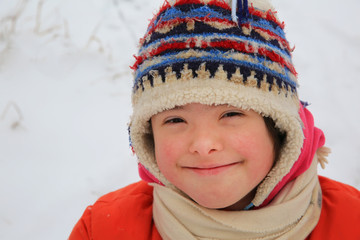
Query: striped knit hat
[[216, 52]]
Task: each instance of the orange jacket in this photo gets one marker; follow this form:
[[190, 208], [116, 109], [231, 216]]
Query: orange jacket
[[123, 214], [340, 212], [127, 214]]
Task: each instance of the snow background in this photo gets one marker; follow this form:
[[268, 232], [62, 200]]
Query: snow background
[[65, 87]]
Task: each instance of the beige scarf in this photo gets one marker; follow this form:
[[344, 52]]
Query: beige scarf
[[292, 214]]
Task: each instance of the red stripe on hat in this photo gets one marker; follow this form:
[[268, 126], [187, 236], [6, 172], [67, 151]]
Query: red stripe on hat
[[247, 48], [226, 44], [177, 21], [271, 34], [183, 2], [221, 4]]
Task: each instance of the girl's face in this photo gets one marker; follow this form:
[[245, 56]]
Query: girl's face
[[217, 155]]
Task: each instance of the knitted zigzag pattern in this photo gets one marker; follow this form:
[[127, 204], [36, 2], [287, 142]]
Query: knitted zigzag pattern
[[190, 40]]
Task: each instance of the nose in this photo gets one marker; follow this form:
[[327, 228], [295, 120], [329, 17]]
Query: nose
[[205, 140]]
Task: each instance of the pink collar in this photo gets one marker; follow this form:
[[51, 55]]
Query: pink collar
[[313, 139]]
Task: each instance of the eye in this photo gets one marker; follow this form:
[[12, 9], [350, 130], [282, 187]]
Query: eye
[[174, 120], [232, 114]]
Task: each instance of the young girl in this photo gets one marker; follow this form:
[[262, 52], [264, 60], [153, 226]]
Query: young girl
[[225, 148]]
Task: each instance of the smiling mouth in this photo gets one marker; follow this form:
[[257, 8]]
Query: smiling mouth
[[212, 170]]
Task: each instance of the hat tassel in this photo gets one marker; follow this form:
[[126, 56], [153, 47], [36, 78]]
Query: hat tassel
[[239, 10]]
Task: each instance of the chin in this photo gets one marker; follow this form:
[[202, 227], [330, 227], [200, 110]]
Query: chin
[[225, 202], [215, 204]]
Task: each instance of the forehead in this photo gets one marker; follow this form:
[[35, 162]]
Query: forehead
[[199, 106], [198, 109]]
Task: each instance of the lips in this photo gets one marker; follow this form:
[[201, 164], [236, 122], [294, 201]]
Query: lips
[[212, 170]]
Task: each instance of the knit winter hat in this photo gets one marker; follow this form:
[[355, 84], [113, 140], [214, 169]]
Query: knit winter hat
[[216, 52]]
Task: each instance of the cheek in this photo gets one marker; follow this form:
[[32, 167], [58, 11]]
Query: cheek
[[256, 146], [166, 153]]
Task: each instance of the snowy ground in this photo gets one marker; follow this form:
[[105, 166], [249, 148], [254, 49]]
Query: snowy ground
[[65, 100]]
